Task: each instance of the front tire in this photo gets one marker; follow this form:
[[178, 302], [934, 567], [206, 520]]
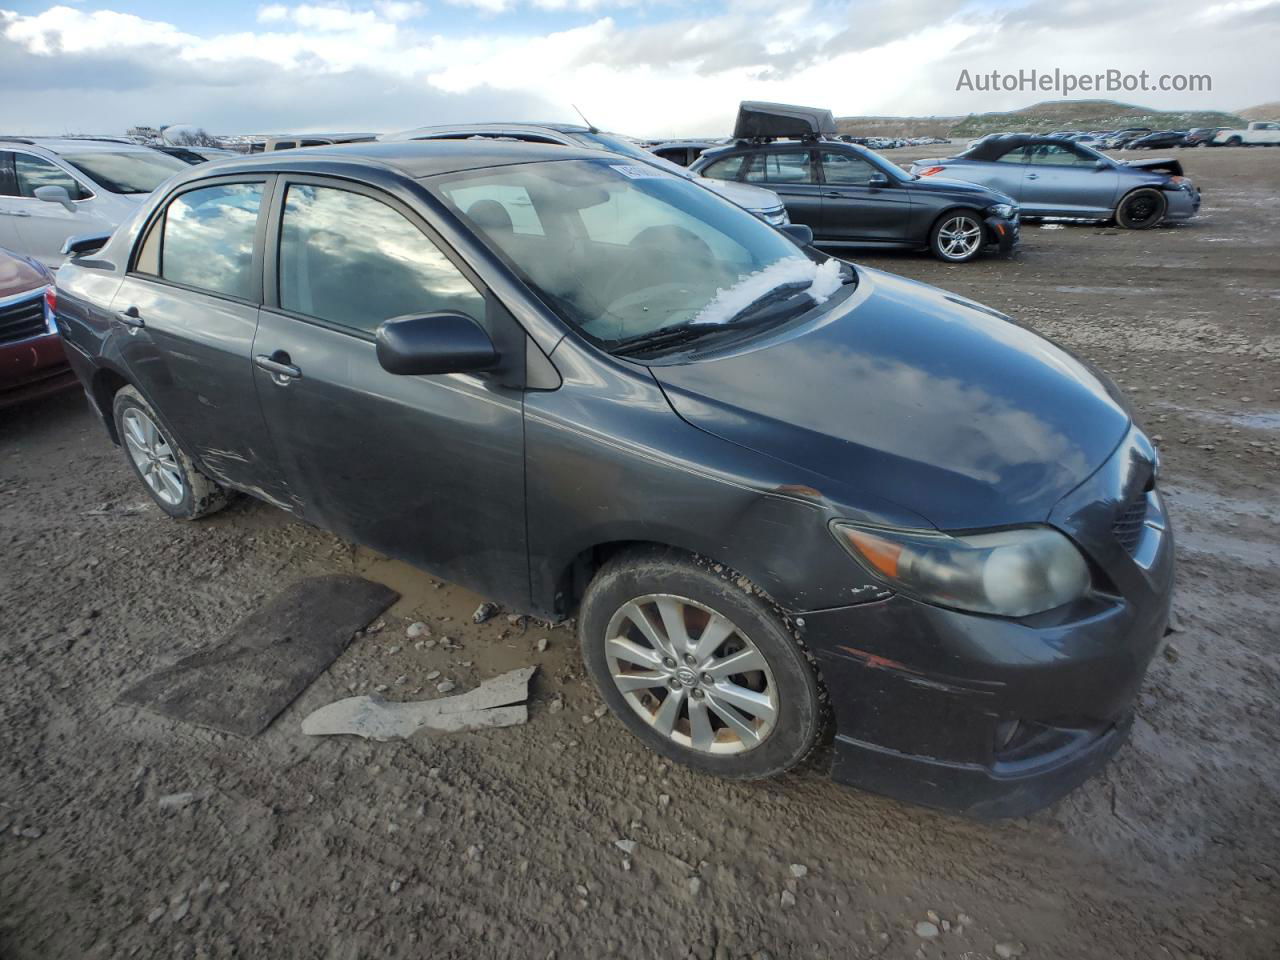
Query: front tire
[[1142, 209], [173, 481], [957, 237], [698, 666]]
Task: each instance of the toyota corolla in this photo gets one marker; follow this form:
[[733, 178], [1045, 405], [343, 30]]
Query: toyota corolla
[[778, 492]]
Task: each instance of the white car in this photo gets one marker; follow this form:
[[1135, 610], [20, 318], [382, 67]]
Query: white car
[[52, 189]]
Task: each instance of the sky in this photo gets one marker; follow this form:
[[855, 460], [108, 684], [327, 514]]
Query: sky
[[647, 68]]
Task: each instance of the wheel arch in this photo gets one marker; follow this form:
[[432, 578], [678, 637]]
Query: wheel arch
[[106, 383]]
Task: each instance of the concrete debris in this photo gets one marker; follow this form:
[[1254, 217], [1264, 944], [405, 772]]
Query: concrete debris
[[484, 612], [626, 846], [799, 870], [488, 705], [926, 929], [417, 629]]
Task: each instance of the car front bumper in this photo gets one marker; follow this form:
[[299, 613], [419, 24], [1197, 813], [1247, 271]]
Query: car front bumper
[[1004, 233], [995, 717], [1182, 204]]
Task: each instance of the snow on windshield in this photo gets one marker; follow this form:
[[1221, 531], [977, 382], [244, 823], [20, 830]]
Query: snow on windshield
[[823, 279]]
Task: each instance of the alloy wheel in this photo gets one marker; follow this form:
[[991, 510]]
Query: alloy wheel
[[153, 456], [691, 674], [959, 237]]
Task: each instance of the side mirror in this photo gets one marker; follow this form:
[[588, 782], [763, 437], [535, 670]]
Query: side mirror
[[801, 233], [53, 193], [1101, 165], [434, 343], [877, 180]]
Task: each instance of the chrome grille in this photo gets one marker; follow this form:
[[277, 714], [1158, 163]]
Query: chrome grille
[[23, 318]]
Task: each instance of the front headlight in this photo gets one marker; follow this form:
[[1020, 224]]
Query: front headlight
[[1009, 573], [777, 217], [1002, 210]]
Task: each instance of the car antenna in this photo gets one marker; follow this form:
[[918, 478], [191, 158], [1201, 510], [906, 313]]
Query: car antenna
[[591, 127]]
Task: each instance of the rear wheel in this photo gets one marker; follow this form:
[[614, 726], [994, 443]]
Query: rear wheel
[[1142, 209], [174, 482], [698, 668], [957, 237]]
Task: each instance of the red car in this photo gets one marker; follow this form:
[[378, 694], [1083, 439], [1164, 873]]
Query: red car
[[31, 360]]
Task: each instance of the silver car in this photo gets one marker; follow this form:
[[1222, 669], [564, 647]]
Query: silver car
[[52, 189], [764, 203], [1054, 177]]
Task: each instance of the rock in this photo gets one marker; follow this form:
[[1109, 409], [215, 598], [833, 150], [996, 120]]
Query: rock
[[380, 688], [402, 680], [417, 629], [182, 909], [542, 644], [377, 627], [664, 800], [433, 675], [964, 920], [157, 913], [392, 650], [799, 870], [556, 705], [600, 711], [446, 686], [926, 929], [932, 915], [788, 899], [1009, 949], [515, 619], [695, 886], [582, 891], [946, 926], [222, 888], [626, 846], [31, 833], [176, 801], [484, 612], [626, 864], [394, 886]]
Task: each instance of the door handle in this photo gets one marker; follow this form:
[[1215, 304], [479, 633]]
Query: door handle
[[278, 366], [130, 317], [1033, 176]]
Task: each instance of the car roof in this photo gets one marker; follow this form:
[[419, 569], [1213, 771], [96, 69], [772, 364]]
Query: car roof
[[59, 145], [821, 143], [489, 127], [414, 158], [997, 145]]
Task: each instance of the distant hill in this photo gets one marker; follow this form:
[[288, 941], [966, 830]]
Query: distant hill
[[1263, 111], [1042, 118]]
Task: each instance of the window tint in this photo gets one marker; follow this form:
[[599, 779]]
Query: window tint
[[726, 169], [791, 167], [499, 207], [208, 238], [845, 168], [33, 172], [139, 171], [1016, 155], [1055, 154], [353, 260]]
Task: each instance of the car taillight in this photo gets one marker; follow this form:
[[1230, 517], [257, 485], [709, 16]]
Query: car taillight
[[930, 171], [50, 299]]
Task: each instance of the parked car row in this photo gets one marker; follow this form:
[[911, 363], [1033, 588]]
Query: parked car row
[[772, 486]]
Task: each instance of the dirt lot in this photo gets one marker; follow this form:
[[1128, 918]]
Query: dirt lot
[[501, 843]]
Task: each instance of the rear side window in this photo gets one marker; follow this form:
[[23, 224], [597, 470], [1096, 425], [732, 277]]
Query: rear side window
[[1016, 155], [789, 167], [33, 172], [726, 169], [207, 239], [354, 261]]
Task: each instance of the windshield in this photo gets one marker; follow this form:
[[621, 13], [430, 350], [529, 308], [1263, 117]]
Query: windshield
[[623, 251], [620, 145], [126, 171]]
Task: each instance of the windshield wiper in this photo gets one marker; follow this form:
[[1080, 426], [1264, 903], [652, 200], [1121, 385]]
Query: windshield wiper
[[662, 337]]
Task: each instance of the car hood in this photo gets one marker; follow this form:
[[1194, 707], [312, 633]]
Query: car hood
[[1156, 165], [743, 194], [20, 275], [959, 187], [914, 396]]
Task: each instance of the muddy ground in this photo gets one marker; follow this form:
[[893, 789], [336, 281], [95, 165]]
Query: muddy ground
[[501, 844]]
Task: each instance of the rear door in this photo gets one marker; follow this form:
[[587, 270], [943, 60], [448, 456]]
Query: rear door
[[184, 320], [1058, 181], [791, 174], [428, 469], [853, 209]]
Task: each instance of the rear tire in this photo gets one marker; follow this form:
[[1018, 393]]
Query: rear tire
[[698, 666], [1234, 141], [957, 237], [1142, 209], [173, 481]]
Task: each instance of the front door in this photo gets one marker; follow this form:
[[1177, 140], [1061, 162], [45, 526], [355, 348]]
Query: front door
[[43, 227], [853, 208], [790, 174], [184, 320], [428, 469], [1059, 182]]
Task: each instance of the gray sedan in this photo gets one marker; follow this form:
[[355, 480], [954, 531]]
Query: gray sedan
[[1053, 177]]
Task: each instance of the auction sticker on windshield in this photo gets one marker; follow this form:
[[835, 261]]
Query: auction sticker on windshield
[[639, 172]]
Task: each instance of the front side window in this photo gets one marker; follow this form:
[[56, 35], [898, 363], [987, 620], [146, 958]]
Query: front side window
[[1053, 154], [35, 172], [353, 260], [726, 169], [1016, 155], [788, 167], [629, 251], [126, 171], [207, 239], [843, 168]]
